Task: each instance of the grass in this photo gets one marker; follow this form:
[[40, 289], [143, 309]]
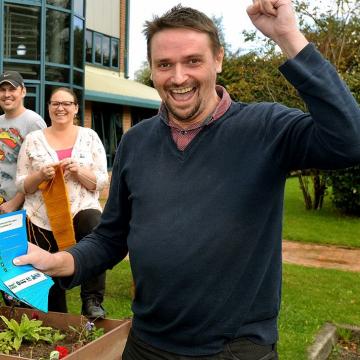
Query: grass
[[118, 294], [325, 226], [311, 296]]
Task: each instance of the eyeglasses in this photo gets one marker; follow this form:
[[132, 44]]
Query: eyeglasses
[[64, 104]]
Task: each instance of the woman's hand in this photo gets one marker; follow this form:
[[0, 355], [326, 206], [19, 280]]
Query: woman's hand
[[70, 167], [33, 180], [47, 172], [84, 176]]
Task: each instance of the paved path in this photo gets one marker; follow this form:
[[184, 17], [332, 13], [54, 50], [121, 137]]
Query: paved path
[[332, 257]]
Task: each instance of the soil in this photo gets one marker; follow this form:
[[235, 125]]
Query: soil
[[323, 256], [347, 349]]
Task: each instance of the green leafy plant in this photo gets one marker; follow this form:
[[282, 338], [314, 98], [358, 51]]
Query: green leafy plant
[[87, 332], [346, 190], [29, 330]]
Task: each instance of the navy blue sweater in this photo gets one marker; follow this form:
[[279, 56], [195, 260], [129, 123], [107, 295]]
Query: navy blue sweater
[[203, 225]]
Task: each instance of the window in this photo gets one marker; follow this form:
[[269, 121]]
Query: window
[[107, 123], [114, 53], [79, 7], [102, 49], [78, 42], [78, 78], [44, 41], [60, 3], [22, 32], [106, 50], [98, 48], [57, 36], [57, 74], [89, 45], [28, 71]]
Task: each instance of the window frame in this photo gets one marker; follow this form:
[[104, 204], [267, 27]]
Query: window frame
[[112, 40], [24, 4]]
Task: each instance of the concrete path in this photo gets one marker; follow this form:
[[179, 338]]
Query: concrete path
[[332, 257]]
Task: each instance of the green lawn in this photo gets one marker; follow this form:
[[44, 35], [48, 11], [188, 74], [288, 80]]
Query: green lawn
[[312, 297], [325, 226]]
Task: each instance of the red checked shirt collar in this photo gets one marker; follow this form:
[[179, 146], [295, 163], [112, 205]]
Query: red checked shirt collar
[[181, 137]]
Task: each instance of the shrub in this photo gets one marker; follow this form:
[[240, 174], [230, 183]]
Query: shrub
[[346, 190]]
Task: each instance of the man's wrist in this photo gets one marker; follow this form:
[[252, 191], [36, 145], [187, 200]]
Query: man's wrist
[[292, 43], [64, 264]]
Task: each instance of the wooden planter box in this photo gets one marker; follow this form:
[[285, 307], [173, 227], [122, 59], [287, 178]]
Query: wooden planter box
[[110, 346]]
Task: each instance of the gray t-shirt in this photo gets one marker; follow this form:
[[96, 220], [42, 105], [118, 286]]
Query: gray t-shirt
[[12, 134]]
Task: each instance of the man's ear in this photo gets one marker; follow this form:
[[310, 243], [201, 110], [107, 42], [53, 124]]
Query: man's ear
[[219, 60], [23, 92]]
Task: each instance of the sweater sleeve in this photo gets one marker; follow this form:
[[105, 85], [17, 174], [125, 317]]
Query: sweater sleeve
[[107, 244], [327, 137]]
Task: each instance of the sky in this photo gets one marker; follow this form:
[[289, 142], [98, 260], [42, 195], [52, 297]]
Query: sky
[[234, 15]]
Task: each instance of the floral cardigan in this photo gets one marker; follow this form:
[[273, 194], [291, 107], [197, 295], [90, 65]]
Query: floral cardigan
[[88, 151]]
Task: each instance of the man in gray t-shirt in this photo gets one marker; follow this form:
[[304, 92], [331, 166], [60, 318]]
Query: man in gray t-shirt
[[15, 124]]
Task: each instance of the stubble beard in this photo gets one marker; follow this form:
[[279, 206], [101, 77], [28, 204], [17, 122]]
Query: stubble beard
[[181, 117]]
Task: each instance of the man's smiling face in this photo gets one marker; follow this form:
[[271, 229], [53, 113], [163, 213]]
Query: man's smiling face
[[184, 69], [11, 97]]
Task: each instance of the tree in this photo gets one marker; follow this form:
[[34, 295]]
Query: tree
[[143, 75]]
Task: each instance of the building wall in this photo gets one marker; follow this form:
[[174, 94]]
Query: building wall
[[103, 16], [126, 119], [123, 28], [87, 114]]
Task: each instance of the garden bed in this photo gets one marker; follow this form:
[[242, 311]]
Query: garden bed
[[336, 342], [107, 347], [347, 346]]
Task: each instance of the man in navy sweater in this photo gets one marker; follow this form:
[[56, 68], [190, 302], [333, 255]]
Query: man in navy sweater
[[197, 191]]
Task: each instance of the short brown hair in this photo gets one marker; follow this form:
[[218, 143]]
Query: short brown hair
[[185, 18]]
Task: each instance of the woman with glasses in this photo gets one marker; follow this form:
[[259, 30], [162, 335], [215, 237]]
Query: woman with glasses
[[82, 158]]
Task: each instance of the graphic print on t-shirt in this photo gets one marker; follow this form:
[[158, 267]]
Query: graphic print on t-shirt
[[10, 142]]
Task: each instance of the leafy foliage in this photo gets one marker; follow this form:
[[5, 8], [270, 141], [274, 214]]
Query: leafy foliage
[[143, 75], [346, 190], [252, 78], [29, 330], [336, 33]]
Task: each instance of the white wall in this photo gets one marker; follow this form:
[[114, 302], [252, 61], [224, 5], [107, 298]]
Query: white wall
[[103, 16]]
